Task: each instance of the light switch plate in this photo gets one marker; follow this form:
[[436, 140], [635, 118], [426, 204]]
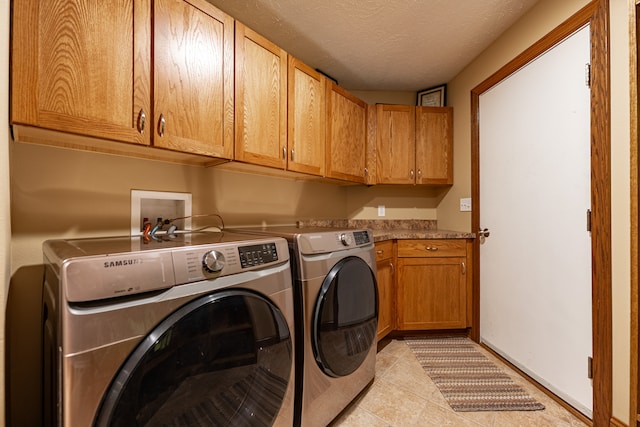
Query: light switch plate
[[465, 204]]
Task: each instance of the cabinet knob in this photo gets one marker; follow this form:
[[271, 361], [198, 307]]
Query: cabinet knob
[[142, 119], [419, 173], [412, 174], [161, 125], [431, 248], [380, 251]]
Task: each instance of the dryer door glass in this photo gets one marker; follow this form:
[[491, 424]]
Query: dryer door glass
[[345, 317], [222, 359]]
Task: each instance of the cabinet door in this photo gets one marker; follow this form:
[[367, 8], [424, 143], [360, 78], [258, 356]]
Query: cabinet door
[[431, 293], [261, 100], [193, 77], [82, 67], [306, 118], [434, 145], [346, 135], [386, 289], [396, 161]]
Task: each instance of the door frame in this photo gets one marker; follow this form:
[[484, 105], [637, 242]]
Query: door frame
[[634, 32], [596, 14]]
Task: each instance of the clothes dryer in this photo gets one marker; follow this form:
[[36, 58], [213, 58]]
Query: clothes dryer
[[190, 330], [336, 300]]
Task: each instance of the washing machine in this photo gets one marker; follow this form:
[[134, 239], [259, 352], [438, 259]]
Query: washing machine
[[336, 300], [192, 329]]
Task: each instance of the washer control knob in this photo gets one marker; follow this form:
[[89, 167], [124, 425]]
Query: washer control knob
[[346, 239], [213, 262]]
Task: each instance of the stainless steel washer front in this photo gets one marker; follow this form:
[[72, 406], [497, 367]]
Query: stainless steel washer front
[[158, 334], [335, 291]]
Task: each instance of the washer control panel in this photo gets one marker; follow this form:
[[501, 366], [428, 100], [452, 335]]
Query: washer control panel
[[102, 268], [331, 241], [255, 255], [211, 261], [361, 237]]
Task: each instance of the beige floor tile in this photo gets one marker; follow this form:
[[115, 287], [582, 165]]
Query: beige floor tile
[[409, 376], [358, 417], [392, 404], [438, 416], [403, 395]]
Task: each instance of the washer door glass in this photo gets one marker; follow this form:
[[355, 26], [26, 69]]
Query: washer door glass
[[345, 317], [222, 359]]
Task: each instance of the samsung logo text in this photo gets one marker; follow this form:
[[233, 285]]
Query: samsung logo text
[[122, 263]]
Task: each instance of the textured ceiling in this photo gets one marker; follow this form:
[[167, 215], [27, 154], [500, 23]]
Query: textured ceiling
[[386, 45]]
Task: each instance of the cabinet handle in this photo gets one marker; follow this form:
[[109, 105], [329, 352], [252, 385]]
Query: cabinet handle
[[366, 171], [380, 251], [419, 173], [393, 268], [412, 174], [431, 248], [293, 153], [161, 125], [284, 153], [464, 268], [142, 120]]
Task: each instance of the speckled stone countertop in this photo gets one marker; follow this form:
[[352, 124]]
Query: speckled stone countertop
[[394, 229]]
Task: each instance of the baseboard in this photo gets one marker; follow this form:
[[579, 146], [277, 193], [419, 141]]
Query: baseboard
[[614, 422]]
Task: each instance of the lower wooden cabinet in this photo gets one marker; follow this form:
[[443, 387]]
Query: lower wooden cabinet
[[386, 288], [433, 284]]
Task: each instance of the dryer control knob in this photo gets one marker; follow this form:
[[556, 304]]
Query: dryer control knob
[[345, 239], [213, 262]]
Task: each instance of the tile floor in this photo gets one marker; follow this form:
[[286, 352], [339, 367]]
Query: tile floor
[[403, 395]]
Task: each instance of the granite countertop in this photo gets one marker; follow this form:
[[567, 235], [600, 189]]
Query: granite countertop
[[395, 229], [398, 233]]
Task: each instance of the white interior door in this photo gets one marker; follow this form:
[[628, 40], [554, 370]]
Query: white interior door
[[535, 268]]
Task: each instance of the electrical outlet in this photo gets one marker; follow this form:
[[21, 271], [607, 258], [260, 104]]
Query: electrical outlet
[[151, 206], [381, 210], [465, 204]]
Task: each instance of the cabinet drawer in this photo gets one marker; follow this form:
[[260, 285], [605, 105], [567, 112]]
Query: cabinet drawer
[[432, 248], [384, 250]]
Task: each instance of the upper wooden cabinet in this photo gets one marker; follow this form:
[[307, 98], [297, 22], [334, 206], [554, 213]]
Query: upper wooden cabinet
[[434, 145], [346, 135], [396, 161], [261, 100], [306, 119], [414, 145], [193, 78], [82, 67]]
